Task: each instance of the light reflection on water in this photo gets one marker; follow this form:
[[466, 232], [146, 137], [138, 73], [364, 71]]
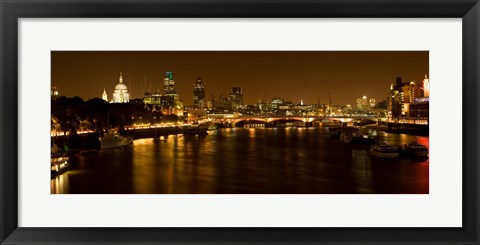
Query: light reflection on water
[[237, 160]]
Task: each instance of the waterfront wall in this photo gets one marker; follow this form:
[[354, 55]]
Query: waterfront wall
[[92, 141]]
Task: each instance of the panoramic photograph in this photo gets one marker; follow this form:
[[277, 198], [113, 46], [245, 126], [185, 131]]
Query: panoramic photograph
[[239, 122]]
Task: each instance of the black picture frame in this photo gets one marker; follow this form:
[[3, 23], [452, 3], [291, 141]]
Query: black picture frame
[[11, 11]]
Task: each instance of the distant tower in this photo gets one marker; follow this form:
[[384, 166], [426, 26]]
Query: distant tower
[[104, 95], [362, 103], [169, 84], [426, 87], [54, 92], [236, 97], [199, 94], [171, 102]]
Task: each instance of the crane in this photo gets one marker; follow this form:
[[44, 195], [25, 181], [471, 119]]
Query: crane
[[319, 107], [213, 100], [329, 104], [319, 94]]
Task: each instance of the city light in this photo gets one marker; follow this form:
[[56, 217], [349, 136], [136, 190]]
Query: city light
[[243, 122]]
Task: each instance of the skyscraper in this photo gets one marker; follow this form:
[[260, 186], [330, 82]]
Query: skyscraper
[[171, 102], [168, 84], [362, 103], [395, 104], [236, 97], [199, 94]]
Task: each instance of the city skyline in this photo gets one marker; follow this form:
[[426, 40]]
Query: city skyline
[[254, 122], [292, 75]]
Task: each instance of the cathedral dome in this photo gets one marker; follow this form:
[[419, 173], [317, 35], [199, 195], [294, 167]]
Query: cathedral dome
[[121, 86]]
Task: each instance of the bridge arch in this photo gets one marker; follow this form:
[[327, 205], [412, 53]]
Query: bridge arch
[[237, 121]]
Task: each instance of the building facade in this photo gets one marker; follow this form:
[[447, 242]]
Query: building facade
[[426, 86], [365, 104], [236, 97], [169, 102], [405, 100], [362, 103], [199, 94]]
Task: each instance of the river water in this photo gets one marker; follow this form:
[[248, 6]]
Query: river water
[[246, 161]]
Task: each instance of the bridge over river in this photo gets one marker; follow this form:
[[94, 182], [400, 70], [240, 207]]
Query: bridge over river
[[307, 120]]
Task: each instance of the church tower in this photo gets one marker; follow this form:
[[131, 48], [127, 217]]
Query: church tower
[[104, 95]]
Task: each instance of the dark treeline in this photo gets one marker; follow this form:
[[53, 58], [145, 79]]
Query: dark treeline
[[74, 114]]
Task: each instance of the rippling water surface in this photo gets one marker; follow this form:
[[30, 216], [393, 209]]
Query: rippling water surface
[[246, 161]]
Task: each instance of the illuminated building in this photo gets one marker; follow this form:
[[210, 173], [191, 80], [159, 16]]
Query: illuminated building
[[402, 95], [426, 87], [169, 84], [302, 109], [120, 93], [194, 114], [395, 101], [365, 104], [362, 103], [104, 95], [54, 92], [199, 94], [409, 92], [276, 102], [419, 110], [170, 101], [152, 100], [236, 97]]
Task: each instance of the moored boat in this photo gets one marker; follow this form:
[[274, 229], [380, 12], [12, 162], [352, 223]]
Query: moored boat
[[58, 161], [113, 139], [384, 150], [342, 133], [363, 139], [414, 149]]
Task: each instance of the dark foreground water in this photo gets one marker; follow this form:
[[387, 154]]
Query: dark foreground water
[[246, 161]]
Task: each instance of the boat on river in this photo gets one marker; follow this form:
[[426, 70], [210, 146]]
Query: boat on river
[[113, 139], [342, 133], [414, 149], [58, 161], [383, 150], [362, 139]]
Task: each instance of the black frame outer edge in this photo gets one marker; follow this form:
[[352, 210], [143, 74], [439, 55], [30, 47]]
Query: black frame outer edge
[[11, 11], [8, 125], [471, 114], [242, 8]]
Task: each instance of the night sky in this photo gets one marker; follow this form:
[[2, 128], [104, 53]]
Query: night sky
[[294, 76]]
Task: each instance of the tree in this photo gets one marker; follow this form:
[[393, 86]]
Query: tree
[[381, 105]]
